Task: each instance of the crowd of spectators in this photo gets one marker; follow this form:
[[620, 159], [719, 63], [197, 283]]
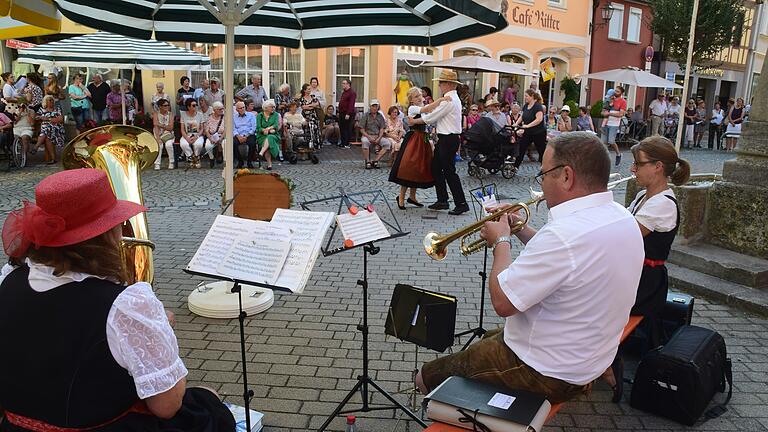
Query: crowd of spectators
[[195, 131]]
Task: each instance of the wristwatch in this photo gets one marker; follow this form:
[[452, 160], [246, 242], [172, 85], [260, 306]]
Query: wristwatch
[[502, 239]]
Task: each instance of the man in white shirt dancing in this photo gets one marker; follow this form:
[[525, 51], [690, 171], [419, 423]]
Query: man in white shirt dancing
[[567, 296], [447, 119]]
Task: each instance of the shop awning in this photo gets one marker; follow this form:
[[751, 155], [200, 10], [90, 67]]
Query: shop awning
[[26, 18], [108, 50]]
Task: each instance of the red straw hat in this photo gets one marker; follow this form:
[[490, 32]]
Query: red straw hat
[[71, 207]]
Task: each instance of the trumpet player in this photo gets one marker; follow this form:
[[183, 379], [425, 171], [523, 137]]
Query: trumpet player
[[566, 298]]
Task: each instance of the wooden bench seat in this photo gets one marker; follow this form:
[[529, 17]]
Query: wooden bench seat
[[632, 324]]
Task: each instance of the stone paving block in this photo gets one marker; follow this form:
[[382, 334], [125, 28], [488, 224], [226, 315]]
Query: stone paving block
[[317, 330]]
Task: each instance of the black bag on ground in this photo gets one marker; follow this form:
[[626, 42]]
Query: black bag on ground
[[677, 381]]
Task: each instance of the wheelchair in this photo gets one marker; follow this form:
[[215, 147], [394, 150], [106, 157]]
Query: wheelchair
[[11, 150], [299, 147]]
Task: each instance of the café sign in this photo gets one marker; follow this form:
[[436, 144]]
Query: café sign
[[528, 17]]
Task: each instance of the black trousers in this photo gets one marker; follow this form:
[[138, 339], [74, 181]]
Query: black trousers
[[539, 140], [715, 132], [347, 128], [444, 169], [251, 143]]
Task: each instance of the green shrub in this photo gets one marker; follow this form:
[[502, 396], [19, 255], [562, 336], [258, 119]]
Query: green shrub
[[597, 109]]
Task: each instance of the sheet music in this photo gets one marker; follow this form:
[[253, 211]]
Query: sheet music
[[308, 230], [362, 228], [243, 249], [257, 257]]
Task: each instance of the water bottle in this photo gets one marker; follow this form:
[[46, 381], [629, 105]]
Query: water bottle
[[351, 424]]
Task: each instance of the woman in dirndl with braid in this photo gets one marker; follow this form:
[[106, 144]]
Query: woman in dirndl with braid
[[657, 213], [85, 348]]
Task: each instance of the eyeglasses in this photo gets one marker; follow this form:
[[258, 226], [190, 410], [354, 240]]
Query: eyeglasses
[[540, 176], [192, 105], [636, 164]]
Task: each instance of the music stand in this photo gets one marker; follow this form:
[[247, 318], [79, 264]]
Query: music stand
[[477, 201], [236, 288], [346, 201]]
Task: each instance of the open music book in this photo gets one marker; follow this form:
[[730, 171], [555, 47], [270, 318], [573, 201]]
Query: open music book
[[362, 227], [280, 253]]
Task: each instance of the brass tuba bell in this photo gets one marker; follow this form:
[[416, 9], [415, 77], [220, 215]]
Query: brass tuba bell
[[121, 152]]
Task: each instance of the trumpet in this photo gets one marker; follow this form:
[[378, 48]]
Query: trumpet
[[436, 244]]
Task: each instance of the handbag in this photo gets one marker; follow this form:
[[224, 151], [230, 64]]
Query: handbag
[[678, 381], [167, 136]]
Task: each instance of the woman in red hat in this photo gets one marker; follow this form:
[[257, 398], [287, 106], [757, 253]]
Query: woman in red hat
[[83, 350]]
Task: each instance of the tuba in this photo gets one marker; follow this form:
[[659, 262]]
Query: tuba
[[121, 152]]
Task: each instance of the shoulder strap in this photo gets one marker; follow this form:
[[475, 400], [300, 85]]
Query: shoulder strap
[[718, 410]]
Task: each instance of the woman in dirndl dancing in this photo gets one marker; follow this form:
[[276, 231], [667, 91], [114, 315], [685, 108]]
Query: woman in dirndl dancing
[[412, 168]]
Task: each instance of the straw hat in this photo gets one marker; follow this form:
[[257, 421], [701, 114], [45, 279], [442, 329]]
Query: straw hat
[[492, 102], [71, 207], [448, 76]]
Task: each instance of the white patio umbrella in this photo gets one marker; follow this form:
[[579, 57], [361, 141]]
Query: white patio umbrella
[[289, 23], [632, 76], [109, 50], [478, 64]]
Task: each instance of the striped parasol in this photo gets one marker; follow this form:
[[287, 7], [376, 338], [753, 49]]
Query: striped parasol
[[316, 23], [109, 50]]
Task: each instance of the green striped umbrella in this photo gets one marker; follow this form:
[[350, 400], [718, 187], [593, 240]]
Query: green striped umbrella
[[109, 50], [290, 23]]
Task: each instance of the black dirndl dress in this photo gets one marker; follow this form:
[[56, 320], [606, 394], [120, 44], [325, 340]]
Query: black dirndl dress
[[413, 165], [654, 283]]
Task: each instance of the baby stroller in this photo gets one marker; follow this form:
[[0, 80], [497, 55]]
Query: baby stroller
[[299, 147], [490, 149]]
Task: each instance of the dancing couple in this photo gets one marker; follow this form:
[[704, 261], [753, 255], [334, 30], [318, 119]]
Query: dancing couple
[[416, 165]]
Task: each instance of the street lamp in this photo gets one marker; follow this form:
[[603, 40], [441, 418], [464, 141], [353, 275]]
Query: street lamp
[[606, 13]]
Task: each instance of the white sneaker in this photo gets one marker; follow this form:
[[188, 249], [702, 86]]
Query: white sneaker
[[157, 167], [170, 166]]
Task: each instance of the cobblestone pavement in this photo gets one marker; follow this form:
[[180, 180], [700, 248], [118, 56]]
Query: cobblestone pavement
[[304, 353]]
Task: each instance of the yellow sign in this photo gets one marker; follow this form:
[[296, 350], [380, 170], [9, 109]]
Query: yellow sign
[[547, 70]]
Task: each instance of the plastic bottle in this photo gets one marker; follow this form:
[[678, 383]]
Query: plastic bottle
[[351, 424]]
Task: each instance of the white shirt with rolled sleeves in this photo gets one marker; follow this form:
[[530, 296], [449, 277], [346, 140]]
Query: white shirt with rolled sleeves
[[573, 285], [447, 116]]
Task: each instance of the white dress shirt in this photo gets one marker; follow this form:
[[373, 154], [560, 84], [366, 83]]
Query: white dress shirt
[[658, 108], [447, 116], [574, 284], [138, 333]]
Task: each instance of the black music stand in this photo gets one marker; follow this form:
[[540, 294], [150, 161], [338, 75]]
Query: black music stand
[[477, 207], [236, 288], [361, 200]]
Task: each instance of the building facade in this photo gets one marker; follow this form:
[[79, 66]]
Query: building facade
[[619, 42], [729, 75], [538, 30]]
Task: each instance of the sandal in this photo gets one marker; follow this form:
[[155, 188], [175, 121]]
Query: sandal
[[368, 165], [375, 164]]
